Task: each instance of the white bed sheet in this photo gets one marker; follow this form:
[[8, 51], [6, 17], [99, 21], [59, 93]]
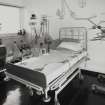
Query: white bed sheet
[[71, 46], [53, 64]]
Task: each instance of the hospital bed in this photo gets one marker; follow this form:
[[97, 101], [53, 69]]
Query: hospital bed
[[55, 70]]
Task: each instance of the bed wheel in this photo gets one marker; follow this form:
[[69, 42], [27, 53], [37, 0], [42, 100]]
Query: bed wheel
[[57, 102], [31, 93], [6, 79], [94, 89], [81, 77], [38, 92], [56, 99], [47, 99]]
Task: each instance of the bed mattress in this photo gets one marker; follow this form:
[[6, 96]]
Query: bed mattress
[[44, 69]]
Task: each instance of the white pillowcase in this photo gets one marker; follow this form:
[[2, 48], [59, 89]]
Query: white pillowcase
[[71, 46]]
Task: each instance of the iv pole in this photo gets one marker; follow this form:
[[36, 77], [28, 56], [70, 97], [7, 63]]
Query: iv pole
[[33, 30], [44, 32]]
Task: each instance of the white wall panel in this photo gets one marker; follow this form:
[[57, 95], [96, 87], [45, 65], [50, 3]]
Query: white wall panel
[[12, 2], [9, 19]]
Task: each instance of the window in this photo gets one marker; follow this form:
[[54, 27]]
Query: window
[[9, 19]]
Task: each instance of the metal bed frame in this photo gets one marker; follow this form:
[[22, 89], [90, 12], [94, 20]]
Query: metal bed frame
[[62, 81], [78, 33]]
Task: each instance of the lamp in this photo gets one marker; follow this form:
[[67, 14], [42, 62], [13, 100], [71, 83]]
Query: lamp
[[33, 16], [32, 19], [61, 12]]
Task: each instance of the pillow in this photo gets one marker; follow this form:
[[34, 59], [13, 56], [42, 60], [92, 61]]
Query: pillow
[[70, 46], [71, 40]]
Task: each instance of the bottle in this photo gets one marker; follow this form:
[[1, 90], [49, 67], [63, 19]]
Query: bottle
[[42, 49]]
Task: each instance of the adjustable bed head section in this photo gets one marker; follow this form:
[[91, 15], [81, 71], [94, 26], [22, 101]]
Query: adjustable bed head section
[[74, 34]]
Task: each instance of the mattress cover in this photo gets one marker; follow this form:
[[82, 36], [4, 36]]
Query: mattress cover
[[44, 69]]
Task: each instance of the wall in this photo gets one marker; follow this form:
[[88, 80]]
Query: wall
[[6, 36], [8, 41], [96, 49], [12, 2], [18, 3], [11, 18], [49, 7]]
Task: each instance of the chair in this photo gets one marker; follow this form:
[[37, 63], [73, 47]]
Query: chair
[[99, 88], [2, 61]]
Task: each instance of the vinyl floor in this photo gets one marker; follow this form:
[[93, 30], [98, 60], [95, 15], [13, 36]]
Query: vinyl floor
[[76, 93]]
